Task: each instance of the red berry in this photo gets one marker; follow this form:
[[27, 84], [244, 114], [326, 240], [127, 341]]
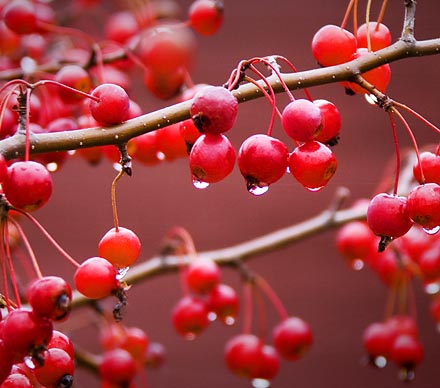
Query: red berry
[[430, 163], [61, 341], [380, 35], [5, 362], [206, 16], [50, 297], [202, 275], [118, 367], [269, 363], [171, 143], [25, 334], [378, 338], [292, 338], [28, 185], [20, 16], [17, 380], [302, 120], [189, 133], [214, 110], [243, 355], [120, 246], [312, 164], [262, 160], [96, 278], [164, 85], [121, 26], [407, 352], [112, 106], [224, 303], [331, 122], [135, 342], [387, 215], [332, 45], [3, 168], [211, 159], [57, 370], [75, 77], [190, 317], [424, 205]]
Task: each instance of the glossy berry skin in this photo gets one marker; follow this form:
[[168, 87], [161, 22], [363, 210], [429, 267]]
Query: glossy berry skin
[[332, 45], [20, 16], [262, 160], [28, 185], [60, 340], [113, 104], [430, 163], [190, 317], [312, 164], [118, 367], [224, 302], [331, 122], [243, 355], [206, 16], [202, 275], [50, 297], [292, 338], [424, 205], [301, 120], [120, 246], [75, 77], [214, 110], [212, 158], [96, 278], [380, 36], [25, 334], [388, 216], [57, 370], [16, 380]]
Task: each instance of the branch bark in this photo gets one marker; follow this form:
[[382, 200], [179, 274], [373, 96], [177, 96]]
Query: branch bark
[[13, 147]]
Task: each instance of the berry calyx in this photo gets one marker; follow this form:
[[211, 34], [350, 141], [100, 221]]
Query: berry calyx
[[120, 246], [28, 185], [214, 110]]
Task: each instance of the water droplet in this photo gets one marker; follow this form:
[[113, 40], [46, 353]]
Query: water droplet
[[52, 167], [121, 273], [314, 189], [380, 361], [160, 156], [29, 362], [255, 188], [357, 264], [212, 316], [117, 166], [190, 336], [198, 184], [260, 383], [433, 230], [229, 321], [116, 137], [432, 288], [371, 99]]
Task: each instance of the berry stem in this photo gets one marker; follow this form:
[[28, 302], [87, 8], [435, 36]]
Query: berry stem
[[113, 196], [262, 315], [48, 236], [272, 296], [417, 115], [14, 283], [347, 13], [28, 247], [248, 306], [381, 13], [3, 225], [367, 21], [396, 145]]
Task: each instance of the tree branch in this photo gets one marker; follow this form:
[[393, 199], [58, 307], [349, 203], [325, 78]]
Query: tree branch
[[13, 147]]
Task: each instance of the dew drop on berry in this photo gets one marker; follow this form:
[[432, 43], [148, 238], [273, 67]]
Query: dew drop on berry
[[29, 362], [432, 288], [260, 383], [314, 189], [432, 231], [256, 189], [52, 166], [357, 264], [212, 316], [121, 273], [380, 362], [229, 321], [198, 184]]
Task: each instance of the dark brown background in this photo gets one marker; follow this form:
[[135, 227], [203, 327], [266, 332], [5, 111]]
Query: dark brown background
[[310, 277]]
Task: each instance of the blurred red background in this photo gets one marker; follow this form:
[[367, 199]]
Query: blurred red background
[[310, 277]]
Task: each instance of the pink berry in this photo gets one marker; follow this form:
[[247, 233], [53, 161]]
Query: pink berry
[[214, 110], [302, 120], [112, 106], [28, 185]]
